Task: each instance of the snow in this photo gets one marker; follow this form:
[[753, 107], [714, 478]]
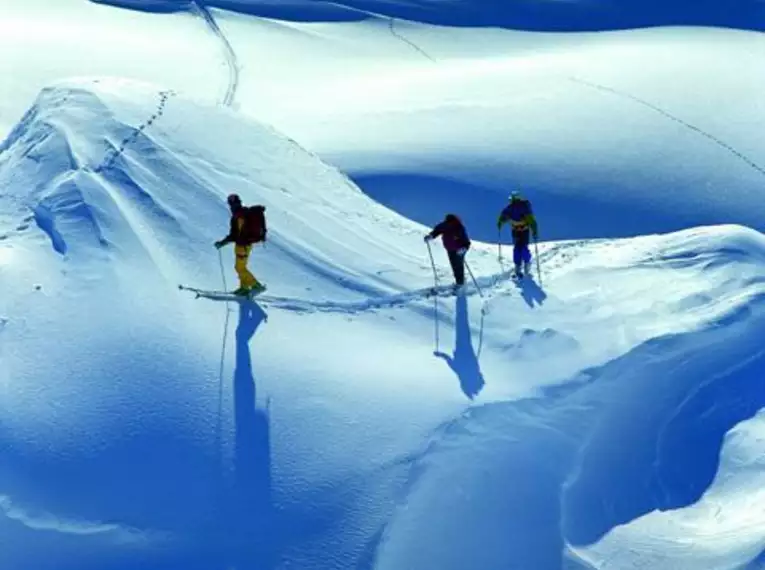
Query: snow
[[428, 119], [45, 40], [568, 15], [604, 414]]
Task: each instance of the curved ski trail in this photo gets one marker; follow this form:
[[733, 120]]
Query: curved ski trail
[[231, 58]]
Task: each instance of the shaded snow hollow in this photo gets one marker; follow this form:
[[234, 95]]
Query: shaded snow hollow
[[344, 421]]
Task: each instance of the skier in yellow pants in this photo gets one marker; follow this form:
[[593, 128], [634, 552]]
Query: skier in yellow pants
[[248, 227]]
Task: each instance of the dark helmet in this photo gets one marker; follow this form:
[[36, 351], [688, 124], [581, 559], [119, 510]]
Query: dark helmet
[[234, 200], [452, 218]]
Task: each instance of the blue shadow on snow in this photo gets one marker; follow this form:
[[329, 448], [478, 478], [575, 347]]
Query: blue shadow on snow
[[662, 448], [464, 362], [531, 292], [250, 508], [569, 16], [640, 433], [426, 198]]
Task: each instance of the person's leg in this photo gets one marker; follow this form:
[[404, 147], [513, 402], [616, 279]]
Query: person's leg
[[518, 247], [458, 267], [246, 279], [526, 252]]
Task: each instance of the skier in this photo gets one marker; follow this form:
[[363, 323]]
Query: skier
[[522, 221], [456, 243], [248, 227]]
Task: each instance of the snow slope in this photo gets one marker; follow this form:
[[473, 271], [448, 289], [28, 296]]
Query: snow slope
[[604, 416], [421, 116], [46, 40], [428, 119], [160, 429]]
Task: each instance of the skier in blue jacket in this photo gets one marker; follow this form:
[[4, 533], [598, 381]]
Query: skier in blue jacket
[[522, 223]]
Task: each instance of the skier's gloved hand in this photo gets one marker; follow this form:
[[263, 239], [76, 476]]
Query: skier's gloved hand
[[219, 244], [428, 237], [462, 251]]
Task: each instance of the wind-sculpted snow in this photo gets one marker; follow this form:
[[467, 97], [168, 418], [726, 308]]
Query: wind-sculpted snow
[[344, 419], [123, 174], [113, 194], [527, 484]]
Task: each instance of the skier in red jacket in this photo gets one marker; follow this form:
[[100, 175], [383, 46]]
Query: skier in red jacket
[[456, 243]]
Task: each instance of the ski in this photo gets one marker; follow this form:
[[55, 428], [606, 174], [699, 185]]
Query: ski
[[443, 292], [218, 295]]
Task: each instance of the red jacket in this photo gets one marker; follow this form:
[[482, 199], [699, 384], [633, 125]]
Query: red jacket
[[453, 233]]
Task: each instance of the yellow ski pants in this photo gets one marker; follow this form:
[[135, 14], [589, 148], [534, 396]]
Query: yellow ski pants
[[246, 279]]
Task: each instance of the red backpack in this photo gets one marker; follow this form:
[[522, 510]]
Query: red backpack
[[254, 228]]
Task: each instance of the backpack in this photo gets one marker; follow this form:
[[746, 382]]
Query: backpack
[[254, 228], [517, 211]]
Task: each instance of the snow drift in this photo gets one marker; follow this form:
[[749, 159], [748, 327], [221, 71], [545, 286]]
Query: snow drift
[[113, 195], [318, 429]]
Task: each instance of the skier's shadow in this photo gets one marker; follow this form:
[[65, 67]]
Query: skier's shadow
[[251, 509], [464, 362], [531, 292]]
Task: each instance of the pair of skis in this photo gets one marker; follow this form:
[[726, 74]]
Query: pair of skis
[[221, 295]]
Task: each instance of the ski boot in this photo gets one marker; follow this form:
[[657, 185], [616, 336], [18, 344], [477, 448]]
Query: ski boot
[[256, 289]]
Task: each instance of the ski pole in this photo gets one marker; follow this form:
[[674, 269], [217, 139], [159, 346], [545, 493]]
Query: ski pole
[[473, 278], [499, 256], [433, 265], [536, 254], [435, 297], [222, 270]]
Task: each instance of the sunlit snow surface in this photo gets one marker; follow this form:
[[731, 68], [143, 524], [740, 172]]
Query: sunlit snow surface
[[601, 415]]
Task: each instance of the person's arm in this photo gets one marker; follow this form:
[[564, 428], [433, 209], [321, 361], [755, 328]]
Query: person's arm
[[437, 231], [532, 222], [230, 237], [502, 218]]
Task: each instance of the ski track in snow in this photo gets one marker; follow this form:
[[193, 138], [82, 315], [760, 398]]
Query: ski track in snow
[[670, 116], [398, 35], [231, 58], [490, 287], [343, 307]]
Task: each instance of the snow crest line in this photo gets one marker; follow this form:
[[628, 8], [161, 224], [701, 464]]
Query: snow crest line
[[392, 26], [164, 96], [44, 521], [672, 117], [231, 58]]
